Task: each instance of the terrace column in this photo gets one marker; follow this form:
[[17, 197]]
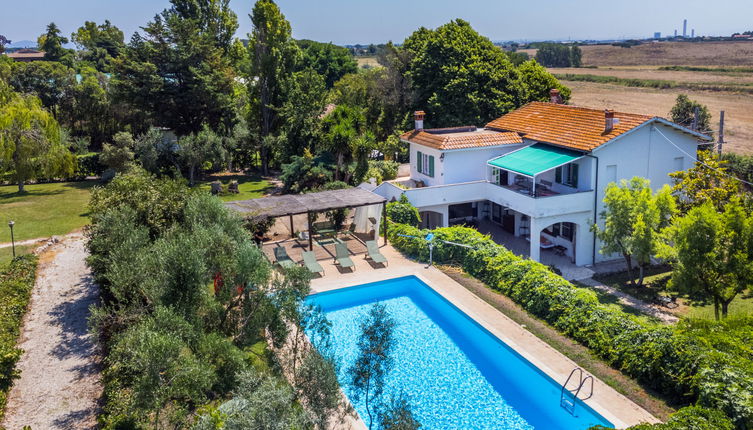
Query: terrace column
[[535, 237]]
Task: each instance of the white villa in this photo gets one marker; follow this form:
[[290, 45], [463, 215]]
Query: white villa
[[538, 174]]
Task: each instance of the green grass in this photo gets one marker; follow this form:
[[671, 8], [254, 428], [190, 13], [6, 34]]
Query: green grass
[[6, 254], [656, 83], [711, 69], [250, 186], [44, 209], [655, 283]]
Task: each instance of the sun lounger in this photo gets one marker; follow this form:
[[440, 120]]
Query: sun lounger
[[309, 260], [282, 257], [374, 254], [342, 255]]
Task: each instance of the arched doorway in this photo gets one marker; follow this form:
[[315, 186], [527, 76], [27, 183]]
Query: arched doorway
[[560, 239]]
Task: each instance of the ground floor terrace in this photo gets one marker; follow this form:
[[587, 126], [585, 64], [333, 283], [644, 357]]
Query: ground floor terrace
[[610, 404], [563, 241]]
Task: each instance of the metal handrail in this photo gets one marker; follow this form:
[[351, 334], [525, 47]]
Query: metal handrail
[[569, 404]]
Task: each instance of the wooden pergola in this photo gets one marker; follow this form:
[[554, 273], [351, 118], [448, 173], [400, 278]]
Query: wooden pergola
[[311, 203]]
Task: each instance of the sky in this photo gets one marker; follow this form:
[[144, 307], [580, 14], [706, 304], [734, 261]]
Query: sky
[[371, 21]]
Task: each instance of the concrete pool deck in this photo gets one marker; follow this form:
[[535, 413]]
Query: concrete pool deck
[[613, 406]]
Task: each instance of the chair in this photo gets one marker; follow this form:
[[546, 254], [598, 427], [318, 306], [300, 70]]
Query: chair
[[282, 257], [373, 253], [309, 260], [342, 255]]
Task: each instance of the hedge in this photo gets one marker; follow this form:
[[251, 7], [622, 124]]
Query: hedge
[[689, 363], [16, 283]]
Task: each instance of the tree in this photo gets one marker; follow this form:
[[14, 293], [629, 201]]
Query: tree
[[4, 41], [301, 113], [273, 55], [558, 55], [180, 71], [54, 83], [712, 253], [398, 416], [100, 44], [373, 361], [30, 142], [341, 129], [330, 61], [683, 113], [707, 181], [634, 217], [538, 82], [460, 77], [118, 155], [197, 149], [51, 42]]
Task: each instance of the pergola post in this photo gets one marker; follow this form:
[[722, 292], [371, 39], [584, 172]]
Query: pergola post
[[384, 220], [292, 229], [311, 231]]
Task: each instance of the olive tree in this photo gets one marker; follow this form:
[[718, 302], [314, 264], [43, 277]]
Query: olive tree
[[367, 374]]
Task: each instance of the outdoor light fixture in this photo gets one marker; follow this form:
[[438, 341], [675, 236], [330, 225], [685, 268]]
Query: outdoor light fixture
[[12, 240]]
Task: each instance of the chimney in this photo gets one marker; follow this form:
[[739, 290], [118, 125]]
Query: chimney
[[555, 96], [418, 116], [608, 121]]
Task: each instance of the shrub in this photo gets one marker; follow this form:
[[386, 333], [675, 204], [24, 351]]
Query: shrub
[[16, 283], [88, 165], [402, 212], [696, 361]]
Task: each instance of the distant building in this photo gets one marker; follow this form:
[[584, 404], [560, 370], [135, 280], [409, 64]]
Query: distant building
[[692, 33], [657, 35], [675, 33], [684, 28], [26, 55]]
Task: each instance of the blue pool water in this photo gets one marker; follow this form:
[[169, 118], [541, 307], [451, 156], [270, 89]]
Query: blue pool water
[[456, 374]]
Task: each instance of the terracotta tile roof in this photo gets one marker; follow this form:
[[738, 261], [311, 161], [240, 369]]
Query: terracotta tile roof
[[568, 126], [460, 138]]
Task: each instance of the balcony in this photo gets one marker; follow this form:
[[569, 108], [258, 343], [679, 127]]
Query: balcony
[[518, 199]]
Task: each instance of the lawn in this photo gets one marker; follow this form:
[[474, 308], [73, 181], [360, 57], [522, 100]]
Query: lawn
[[250, 186], [655, 282], [44, 210], [6, 253]]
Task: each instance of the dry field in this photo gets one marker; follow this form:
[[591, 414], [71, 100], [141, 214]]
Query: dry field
[[738, 107], [367, 62], [670, 54]]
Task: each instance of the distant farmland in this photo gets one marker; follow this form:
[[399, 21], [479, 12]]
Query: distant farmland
[[670, 54]]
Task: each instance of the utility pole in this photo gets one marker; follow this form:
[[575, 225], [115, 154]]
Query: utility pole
[[721, 131], [696, 115]]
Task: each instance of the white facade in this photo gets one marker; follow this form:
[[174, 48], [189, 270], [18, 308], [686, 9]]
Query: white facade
[[463, 177]]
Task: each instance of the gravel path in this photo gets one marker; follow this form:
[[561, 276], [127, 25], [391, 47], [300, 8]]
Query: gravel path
[[60, 385]]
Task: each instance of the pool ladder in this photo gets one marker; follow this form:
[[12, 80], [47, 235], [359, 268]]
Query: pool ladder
[[568, 397]]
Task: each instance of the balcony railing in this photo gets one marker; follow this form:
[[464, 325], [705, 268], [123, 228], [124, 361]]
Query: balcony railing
[[538, 206]]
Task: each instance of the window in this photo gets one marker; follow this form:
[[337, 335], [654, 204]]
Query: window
[[499, 176], [679, 164], [611, 173], [567, 175], [425, 164], [561, 229]]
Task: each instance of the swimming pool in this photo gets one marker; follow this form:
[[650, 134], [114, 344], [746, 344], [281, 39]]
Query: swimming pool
[[455, 373]]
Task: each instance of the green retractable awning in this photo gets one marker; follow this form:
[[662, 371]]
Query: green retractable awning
[[535, 159]]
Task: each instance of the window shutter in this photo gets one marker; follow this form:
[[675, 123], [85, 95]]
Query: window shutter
[[574, 175], [419, 161], [558, 175], [431, 166]]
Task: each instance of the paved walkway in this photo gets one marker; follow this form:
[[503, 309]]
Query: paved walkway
[[60, 384], [633, 302], [609, 403]]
